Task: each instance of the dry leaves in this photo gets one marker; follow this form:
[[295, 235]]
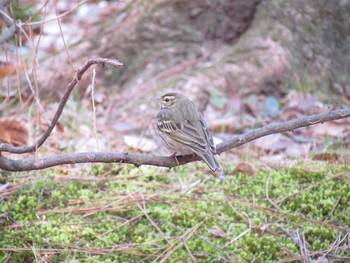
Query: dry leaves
[[246, 168], [328, 157], [13, 131], [217, 232], [7, 69]]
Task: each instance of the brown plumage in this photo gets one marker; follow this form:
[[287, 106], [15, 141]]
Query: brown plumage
[[183, 130]]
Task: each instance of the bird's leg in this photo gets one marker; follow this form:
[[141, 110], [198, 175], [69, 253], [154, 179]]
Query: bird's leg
[[174, 155]]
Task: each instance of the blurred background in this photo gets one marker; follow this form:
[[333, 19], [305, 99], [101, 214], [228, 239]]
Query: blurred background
[[245, 63]]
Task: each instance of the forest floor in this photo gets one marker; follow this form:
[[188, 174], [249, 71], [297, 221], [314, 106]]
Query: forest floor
[[106, 213]]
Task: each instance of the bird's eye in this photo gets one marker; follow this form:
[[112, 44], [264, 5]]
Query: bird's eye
[[167, 100]]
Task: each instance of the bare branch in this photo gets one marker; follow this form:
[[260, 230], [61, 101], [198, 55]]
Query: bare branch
[[25, 149], [282, 127], [140, 159], [166, 161]]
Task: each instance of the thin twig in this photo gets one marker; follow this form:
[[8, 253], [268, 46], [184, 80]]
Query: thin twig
[[121, 225], [242, 233], [144, 210], [94, 107], [185, 236], [62, 36], [334, 207], [189, 251], [325, 115], [267, 193]]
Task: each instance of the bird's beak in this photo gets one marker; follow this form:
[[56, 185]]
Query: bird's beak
[[157, 100]]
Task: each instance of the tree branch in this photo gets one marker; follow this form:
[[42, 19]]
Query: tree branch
[[140, 159], [166, 161], [284, 126]]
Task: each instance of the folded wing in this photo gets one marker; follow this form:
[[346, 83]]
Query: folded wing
[[191, 133]]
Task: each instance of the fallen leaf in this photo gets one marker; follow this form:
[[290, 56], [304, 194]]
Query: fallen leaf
[[217, 232], [247, 168], [271, 106], [13, 131], [328, 157], [235, 105], [306, 104], [331, 128], [217, 98], [302, 105], [250, 108], [250, 104], [59, 127], [4, 135], [201, 254], [7, 69]]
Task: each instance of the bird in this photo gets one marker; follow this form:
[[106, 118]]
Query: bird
[[183, 130]]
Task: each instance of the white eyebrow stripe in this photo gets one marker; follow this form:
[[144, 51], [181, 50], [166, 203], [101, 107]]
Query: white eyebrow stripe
[[169, 97]]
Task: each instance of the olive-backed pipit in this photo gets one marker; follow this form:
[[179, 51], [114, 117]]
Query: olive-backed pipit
[[183, 130]]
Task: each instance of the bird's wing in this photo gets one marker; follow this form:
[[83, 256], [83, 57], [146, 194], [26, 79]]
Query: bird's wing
[[193, 133], [208, 137], [200, 141]]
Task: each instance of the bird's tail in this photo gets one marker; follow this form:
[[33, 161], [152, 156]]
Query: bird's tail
[[211, 161], [213, 164]]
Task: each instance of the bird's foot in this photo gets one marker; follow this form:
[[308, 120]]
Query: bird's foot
[[219, 174], [174, 156]]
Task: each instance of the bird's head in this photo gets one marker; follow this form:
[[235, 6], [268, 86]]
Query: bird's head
[[170, 100]]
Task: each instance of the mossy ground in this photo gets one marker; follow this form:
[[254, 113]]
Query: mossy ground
[[109, 214]]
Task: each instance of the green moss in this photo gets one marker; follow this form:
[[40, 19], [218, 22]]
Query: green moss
[[181, 204]]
